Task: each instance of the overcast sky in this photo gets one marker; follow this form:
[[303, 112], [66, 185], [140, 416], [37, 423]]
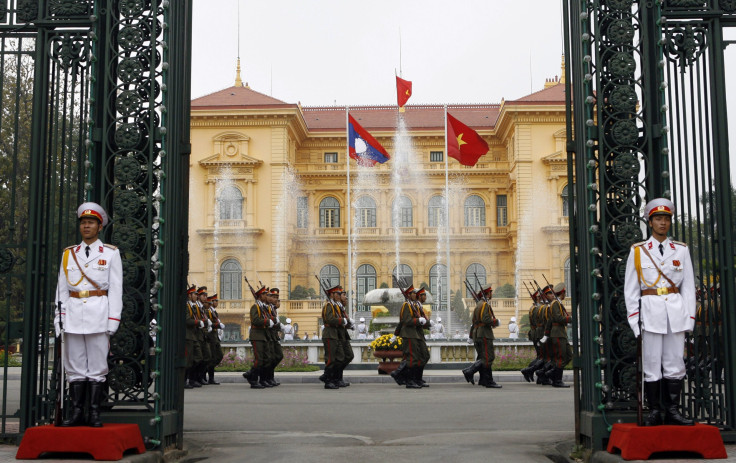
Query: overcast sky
[[325, 52]]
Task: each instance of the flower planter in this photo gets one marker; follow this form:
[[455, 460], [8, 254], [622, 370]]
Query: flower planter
[[389, 360]]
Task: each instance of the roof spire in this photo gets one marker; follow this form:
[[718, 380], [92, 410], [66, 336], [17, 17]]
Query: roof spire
[[238, 80]]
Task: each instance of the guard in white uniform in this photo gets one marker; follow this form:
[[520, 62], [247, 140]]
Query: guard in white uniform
[[439, 329], [362, 329], [660, 300], [288, 330], [513, 329], [90, 289]]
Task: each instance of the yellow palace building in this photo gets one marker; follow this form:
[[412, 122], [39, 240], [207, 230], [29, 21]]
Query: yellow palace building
[[269, 200]]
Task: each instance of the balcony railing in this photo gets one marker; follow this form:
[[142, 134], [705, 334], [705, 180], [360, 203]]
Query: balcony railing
[[407, 231], [476, 230], [230, 223], [368, 231], [329, 231]]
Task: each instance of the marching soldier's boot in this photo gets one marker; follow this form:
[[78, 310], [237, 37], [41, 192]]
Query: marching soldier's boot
[[95, 393], [271, 379], [483, 376], [254, 382], [77, 391], [411, 376], [557, 378], [422, 382], [652, 391], [331, 380], [212, 377], [399, 373], [673, 387], [528, 372], [193, 378], [471, 370], [186, 379], [340, 381], [250, 376], [489, 379], [543, 374]]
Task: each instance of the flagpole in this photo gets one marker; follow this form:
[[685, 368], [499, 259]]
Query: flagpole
[[349, 215], [447, 227]]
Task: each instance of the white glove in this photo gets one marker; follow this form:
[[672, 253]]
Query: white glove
[[344, 322], [209, 329], [209, 323], [222, 326], [544, 339], [422, 321], [352, 322], [57, 329], [201, 324], [110, 332], [270, 323]]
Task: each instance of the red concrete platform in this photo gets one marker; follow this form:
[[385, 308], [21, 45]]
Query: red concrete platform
[[640, 442], [106, 443]]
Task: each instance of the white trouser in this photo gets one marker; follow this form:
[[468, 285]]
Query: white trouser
[[662, 355], [288, 337], [85, 356]]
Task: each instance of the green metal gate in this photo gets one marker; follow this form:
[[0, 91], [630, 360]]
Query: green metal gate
[[648, 107], [95, 106]]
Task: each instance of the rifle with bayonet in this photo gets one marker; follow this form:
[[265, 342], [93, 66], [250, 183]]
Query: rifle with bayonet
[[470, 289], [555, 294], [485, 299], [59, 370]]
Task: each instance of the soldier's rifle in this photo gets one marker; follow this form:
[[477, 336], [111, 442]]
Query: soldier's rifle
[[59, 364], [527, 290], [252, 291], [553, 292], [470, 288], [485, 299], [639, 375]]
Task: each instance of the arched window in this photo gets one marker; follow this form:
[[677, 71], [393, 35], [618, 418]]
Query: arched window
[[568, 276], [366, 276], [330, 276], [365, 211], [230, 277], [565, 202], [470, 273], [329, 213], [438, 285], [230, 203], [437, 212], [405, 273], [402, 212], [475, 211]]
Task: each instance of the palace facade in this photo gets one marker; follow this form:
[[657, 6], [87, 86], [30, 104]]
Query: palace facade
[[269, 200]]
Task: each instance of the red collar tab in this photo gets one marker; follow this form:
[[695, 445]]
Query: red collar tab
[[102, 248], [650, 245], [78, 248], [672, 245]]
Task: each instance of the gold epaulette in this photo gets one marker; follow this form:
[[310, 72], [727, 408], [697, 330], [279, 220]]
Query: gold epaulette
[[640, 243], [110, 246], [679, 242]]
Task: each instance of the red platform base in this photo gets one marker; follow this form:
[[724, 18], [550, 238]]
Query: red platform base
[[640, 443], [105, 443]]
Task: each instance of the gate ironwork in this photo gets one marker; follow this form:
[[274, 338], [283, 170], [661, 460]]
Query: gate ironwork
[[647, 97], [95, 106]]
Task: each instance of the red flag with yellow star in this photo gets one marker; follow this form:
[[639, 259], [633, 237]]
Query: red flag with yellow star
[[403, 91], [464, 143]]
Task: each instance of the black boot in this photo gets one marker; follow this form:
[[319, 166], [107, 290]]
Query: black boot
[[249, 376], [211, 372], [271, 378], [672, 390], [95, 393], [331, 379], [471, 370], [340, 381], [528, 372], [399, 373], [420, 377], [193, 375], [543, 375], [265, 377], [557, 378], [255, 373], [77, 391], [489, 379], [652, 391], [411, 377], [186, 379]]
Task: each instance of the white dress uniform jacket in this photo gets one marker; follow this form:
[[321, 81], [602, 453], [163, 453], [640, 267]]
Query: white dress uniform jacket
[[657, 311], [93, 314], [288, 330]]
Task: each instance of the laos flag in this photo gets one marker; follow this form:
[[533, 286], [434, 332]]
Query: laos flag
[[363, 147]]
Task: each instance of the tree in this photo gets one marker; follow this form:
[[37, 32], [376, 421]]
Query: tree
[[300, 292], [461, 312], [383, 285], [505, 291]]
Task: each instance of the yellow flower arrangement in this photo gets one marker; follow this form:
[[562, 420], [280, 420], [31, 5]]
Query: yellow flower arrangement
[[384, 343]]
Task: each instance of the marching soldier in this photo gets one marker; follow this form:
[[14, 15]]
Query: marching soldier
[[213, 338], [89, 302], [274, 339], [542, 320], [334, 354], [482, 333], [260, 322], [659, 290], [422, 342], [556, 331], [193, 350], [411, 322], [202, 335], [347, 349]]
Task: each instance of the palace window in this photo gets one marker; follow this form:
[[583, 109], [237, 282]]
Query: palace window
[[231, 276], [437, 212], [470, 273], [436, 156], [329, 213], [366, 277], [330, 276], [438, 285], [302, 212], [475, 211], [403, 211], [330, 158], [365, 210], [565, 197], [405, 273], [567, 274], [230, 204], [501, 211]]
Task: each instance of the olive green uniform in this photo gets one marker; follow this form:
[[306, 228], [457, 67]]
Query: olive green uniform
[[334, 353]]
